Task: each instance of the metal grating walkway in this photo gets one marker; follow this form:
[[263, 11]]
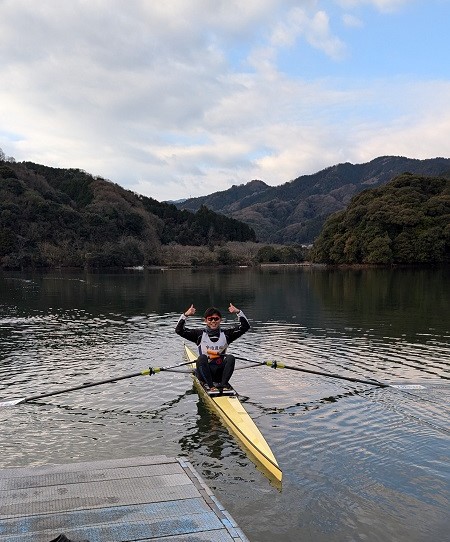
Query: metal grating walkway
[[157, 499]]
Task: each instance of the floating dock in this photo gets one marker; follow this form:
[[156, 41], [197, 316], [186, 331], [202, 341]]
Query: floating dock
[[157, 499]]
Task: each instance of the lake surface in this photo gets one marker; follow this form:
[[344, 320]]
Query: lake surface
[[360, 463]]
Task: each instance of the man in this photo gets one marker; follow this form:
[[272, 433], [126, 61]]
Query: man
[[214, 366]]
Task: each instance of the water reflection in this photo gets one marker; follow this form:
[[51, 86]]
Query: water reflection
[[209, 434], [359, 462]]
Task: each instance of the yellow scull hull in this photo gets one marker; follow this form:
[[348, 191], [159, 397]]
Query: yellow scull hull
[[237, 420]]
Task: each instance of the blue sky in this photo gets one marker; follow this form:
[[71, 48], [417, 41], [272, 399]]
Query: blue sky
[[187, 97]]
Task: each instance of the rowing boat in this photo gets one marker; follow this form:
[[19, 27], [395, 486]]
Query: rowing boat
[[237, 420]]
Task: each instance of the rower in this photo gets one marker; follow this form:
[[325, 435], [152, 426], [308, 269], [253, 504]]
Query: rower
[[214, 367]]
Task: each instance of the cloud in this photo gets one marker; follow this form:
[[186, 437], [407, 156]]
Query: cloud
[[418, 126], [179, 98], [315, 29], [352, 21], [385, 6], [403, 121]]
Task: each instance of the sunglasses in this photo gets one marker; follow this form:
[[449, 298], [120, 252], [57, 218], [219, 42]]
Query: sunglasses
[[213, 318]]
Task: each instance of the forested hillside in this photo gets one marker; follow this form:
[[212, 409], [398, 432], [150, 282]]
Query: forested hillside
[[296, 211], [52, 217], [66, 217], [405, 221]]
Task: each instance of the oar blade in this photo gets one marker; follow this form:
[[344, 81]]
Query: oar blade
[[12, 402], [408, 386]]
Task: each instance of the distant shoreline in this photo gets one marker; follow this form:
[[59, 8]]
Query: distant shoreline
[[267, 266]]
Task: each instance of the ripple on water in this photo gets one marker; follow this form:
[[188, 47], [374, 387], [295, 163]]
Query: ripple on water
[[359, 462]]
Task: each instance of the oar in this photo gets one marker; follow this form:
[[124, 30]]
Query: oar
[[146, 372], [278, 365]]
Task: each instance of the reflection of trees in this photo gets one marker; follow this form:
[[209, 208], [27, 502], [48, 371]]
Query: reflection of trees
[[129, 292], [208, 434], [398, 301]]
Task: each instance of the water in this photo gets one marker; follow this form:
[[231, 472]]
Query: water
[[360, 463]]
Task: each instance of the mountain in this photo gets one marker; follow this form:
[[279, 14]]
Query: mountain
[[66, 217], [296, 211], [226, 201]]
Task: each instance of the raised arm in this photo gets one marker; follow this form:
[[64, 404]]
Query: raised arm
[[183, 331], [243, 326]]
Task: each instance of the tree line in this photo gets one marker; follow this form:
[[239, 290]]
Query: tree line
[[66, 217], [54, 217], [406, 221]]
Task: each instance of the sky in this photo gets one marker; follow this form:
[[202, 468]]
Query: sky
[[183, 98]]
